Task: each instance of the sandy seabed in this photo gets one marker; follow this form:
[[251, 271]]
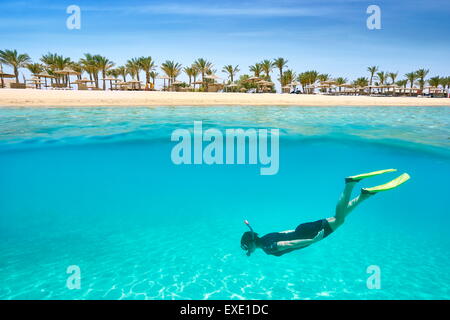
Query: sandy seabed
[[61, 98]]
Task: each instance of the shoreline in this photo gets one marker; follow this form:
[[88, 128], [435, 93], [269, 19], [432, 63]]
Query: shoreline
[[74, 98]]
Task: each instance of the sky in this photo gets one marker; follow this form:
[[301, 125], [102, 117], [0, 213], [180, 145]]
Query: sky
[[330, 36]]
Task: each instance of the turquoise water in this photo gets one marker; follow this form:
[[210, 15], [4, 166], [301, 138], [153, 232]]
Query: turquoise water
[[95, 187]]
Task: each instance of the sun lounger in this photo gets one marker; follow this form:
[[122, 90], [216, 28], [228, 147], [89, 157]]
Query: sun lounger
[[14, 85]]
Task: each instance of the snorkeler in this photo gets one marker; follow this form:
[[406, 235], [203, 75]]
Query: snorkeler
[[279, 243]]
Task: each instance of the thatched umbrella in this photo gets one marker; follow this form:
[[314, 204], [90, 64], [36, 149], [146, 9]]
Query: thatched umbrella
[[45, 75], [110, 79], [197, 82], [68, 72], [164, 78], [35, 80], [5, 75], [133, 83], [254, 79], [231, 85], [212, 76]]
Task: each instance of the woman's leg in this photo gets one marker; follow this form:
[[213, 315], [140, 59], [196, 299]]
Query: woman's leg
[[345, 206]]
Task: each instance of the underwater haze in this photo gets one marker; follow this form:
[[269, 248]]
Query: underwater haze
[[96, 188]]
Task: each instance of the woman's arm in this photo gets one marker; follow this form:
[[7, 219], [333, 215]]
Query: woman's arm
[[301, 243]]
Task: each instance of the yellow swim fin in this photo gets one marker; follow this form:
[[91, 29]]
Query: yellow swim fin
[[387, 186], [361, 176]]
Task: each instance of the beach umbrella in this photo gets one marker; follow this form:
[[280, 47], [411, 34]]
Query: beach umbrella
[[84, 80], [35, 80], [110, 79], [133, 82], [231, 85], [45, 75], [212, 76], [164, 78], [5, 75], [329, 82], [68, 72]]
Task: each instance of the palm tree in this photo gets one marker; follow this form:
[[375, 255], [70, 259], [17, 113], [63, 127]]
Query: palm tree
[[89, 65], [123, 71], [393, 76], [361, 83], [434, 81], [103, 64], [382, 76], [134, 67], [372, 71], [324, 77], [189, 72], [147, 65], [256, 69], [172, 70], [231, 71], [280, 64], [402, 83], [411, 76], [421, 75], [445, 82], [203, 66], [153, 75], [35, 68], [54, 62], [15, 60], [340, 81], [288, 77], [267, 67], [76, 66], [308, 78]]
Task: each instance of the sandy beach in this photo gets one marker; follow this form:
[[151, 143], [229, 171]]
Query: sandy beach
[[61, 98]]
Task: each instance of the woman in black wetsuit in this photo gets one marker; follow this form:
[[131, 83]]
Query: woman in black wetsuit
[[279, 243]]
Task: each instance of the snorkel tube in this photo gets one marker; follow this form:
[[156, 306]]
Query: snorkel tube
[[249, 226], [253, 234]]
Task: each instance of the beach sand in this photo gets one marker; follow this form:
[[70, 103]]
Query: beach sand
[[60, 98]]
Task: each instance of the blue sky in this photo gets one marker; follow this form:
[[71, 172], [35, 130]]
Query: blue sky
[[326, 35]]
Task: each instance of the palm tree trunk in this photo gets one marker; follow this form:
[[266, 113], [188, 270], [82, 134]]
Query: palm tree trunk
[[16, 73], [104, 81]]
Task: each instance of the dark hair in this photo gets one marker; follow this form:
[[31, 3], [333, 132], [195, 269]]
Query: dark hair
[[247, 238]]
